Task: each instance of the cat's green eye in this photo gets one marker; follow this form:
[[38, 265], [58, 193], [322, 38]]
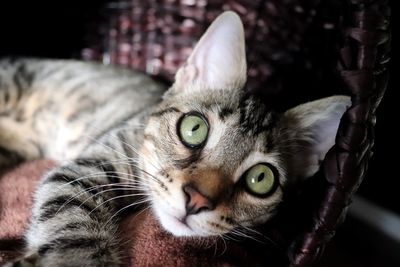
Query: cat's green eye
[[193, 130], [260, 180]]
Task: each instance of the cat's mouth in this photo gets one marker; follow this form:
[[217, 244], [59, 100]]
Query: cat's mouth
[[183, 222], [173, 224], [176, 226]]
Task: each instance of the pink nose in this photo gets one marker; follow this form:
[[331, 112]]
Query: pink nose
[[196, 201]]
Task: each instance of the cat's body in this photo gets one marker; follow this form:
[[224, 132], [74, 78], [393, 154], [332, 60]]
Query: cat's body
[[207, 156], [50, 110], [63, 106]]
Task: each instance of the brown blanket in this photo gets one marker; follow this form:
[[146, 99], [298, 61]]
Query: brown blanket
[[148, 244]]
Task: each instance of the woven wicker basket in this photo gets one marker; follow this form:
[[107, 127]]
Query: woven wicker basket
[[157, 36], [293, 50]]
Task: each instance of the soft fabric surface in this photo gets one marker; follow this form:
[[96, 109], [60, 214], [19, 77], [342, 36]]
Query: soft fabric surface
[[147, 243], [16, 187]]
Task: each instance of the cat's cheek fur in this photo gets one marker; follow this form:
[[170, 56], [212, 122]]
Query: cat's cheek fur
[[262, 209], [167, 213], [169, 208]]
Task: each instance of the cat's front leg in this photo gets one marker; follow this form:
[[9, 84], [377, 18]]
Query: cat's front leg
[[72, 222]]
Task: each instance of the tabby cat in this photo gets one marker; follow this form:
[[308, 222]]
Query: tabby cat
[[206, 156]]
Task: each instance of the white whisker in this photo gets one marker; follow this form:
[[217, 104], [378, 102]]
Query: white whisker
[[126, 207], [87, 190], [113, 198]]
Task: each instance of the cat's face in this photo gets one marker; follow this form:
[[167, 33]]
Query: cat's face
[[215, 158]]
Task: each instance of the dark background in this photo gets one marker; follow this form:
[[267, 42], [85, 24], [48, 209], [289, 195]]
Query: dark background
[[51, 29]]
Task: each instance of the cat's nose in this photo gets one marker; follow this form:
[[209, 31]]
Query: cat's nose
[[196, 201]]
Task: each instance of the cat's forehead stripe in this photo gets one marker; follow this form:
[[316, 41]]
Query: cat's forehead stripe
[[225, 112], [257, 122]]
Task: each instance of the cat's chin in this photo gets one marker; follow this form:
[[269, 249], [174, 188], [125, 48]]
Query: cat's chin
[[173, 225]]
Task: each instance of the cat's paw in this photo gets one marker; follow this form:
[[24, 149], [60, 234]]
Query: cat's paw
[[75, 258]]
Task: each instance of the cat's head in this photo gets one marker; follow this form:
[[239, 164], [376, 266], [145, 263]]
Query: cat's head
[[214, 157]]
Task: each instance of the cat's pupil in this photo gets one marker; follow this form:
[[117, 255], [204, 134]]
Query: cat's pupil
[[260, 177], [197, 126]]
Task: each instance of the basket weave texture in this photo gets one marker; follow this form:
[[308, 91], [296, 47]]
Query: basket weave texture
[[157, 36]]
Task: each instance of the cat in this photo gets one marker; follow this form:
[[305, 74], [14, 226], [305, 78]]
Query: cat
[[206, 156]]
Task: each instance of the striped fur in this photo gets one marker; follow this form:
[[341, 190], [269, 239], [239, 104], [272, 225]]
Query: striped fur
[[62, 110], [117, 139]]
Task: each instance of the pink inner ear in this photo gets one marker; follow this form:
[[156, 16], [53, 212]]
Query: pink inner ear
[[325, 136], [317, 122], [219, 58], [190, 72]]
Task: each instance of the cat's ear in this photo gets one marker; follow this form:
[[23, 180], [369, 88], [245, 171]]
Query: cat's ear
[[314, 127], [218, 61]]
